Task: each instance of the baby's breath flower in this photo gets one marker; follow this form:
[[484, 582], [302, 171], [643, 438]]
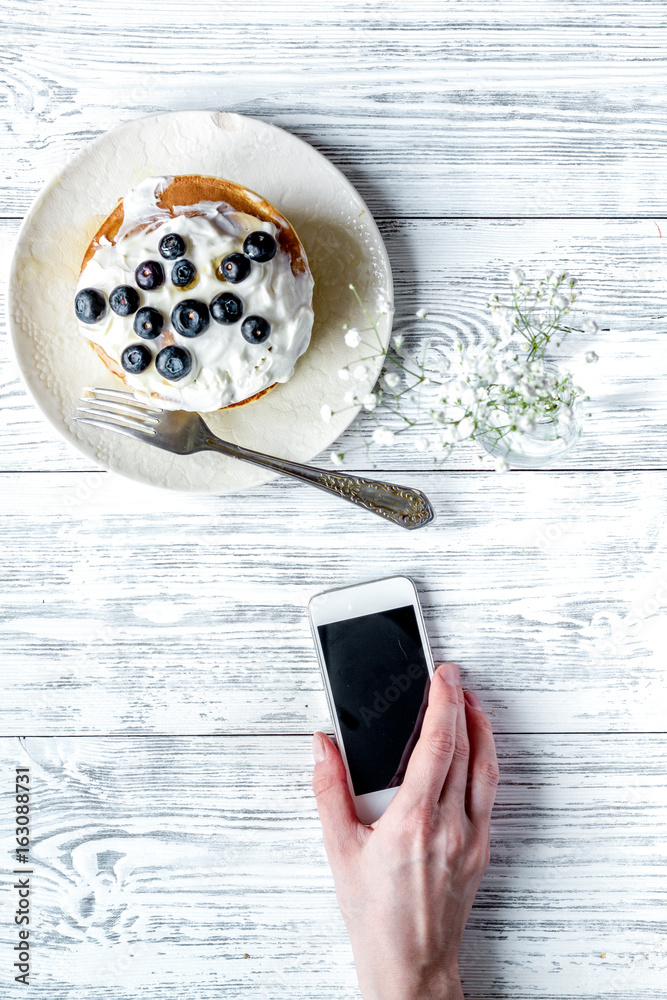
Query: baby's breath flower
[[505, 330], [500, 465], [499, 314], [590, 326], [499, 388], [337, 457], [326, 413], [591, 357], [525, 423], [385, 305], [383, 435], [465, 428]]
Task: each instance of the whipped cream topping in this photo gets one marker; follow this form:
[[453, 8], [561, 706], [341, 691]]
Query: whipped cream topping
[[225, 367]]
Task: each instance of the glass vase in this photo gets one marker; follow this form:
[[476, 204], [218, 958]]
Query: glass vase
[[551, 437]]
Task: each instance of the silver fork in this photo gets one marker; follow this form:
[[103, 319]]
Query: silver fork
[[186, 433]]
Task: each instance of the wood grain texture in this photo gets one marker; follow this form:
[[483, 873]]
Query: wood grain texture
[[473, 130], [125, 613], [450, 267], [474, 108], [159, 863]]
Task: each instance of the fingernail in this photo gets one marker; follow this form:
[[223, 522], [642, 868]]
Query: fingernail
[[472, 699], [449, 672], [319, 753]]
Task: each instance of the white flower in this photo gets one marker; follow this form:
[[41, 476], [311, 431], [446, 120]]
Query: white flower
[[559, 301], [369, 402], [350, 398], [505, 329], [590, 326], [454, 390], [344, 374], [421, 444], [591, 357], [360, 372], [326, 413], [392, 380], [500, 315], [525, 423], [449, 434], [465, 428], [500, 465], [353, 337], [398, 342], [337, 457], [468, 396], [516, 276], [383, 435], [385, 305], [421, 314]]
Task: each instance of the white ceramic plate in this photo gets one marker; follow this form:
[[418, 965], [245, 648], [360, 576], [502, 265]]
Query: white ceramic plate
[[340, 238]]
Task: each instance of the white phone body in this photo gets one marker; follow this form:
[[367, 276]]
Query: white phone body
[[346, 603]]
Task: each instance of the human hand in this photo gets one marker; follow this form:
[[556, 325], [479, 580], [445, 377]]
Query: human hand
[[406, 884]]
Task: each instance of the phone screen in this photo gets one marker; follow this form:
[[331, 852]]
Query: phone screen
[[379, 679]]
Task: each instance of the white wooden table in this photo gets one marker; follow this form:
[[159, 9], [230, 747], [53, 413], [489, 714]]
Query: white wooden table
[[157, 672]]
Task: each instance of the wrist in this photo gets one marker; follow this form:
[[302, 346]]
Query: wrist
[[448, 990], [440, 987]]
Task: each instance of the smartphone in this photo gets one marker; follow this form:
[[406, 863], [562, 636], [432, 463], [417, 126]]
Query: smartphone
[[377, 667]]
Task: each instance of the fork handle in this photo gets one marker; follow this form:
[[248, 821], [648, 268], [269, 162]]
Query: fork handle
[[401, 504]]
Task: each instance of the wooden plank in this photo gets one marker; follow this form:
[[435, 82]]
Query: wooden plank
[[450, 268], [159, 862], [431, 108], [127, 610]]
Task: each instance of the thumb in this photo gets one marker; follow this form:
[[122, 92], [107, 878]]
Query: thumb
[[341, 828]]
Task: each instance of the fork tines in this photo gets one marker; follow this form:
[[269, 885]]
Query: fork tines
[[120, 410]]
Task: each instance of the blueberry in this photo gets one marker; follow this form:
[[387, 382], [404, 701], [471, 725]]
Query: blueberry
[[226, 308], [90, 305], [171, 246], [255, 329], [183, 273], [136, 358], [234, 267], [149, 274], [148, 323], [173, 362], [190, 317], [124, 300], [260, 246]]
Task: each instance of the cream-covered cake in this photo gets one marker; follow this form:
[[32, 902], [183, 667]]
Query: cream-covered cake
[[197, 293]]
